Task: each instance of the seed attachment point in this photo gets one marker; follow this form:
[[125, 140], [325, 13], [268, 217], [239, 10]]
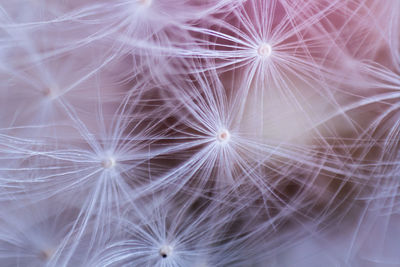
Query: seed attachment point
[[108, 163], [46, 254], [264, 50], [145, 3], [223, 136], [165, 251], [50, 93]]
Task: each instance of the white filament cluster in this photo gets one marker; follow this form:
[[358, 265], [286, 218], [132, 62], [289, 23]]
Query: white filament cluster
[[199, 133]]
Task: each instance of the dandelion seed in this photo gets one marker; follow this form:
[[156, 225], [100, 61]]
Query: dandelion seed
[[46, 254], [48, 92], [108, 163], [166, 251], [145, 2], [264, 50], [32, 235], [223, 136]]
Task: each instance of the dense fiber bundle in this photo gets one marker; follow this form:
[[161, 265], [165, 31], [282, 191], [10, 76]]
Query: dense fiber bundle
[[203, 133]]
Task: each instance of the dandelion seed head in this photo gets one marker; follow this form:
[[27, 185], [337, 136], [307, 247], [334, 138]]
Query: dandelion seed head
[[223, 136], [265, 118], [166, 251], [264, 50]]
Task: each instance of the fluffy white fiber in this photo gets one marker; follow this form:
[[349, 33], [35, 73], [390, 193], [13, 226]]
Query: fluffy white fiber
[[199, 133]]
